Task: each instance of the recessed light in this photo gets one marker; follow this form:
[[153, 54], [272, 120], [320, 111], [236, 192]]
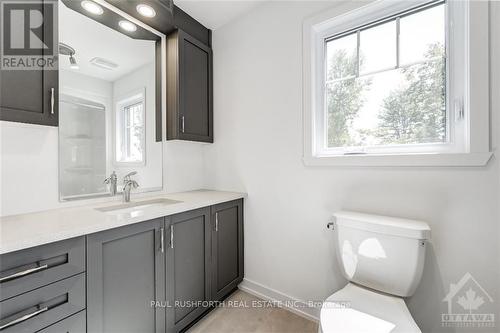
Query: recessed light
[[127, 25], [92, 7], [146, 10]]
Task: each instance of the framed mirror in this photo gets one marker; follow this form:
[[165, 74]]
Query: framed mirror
[[110, 101]]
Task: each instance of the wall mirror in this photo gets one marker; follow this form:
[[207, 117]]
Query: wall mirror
[[110, 101]]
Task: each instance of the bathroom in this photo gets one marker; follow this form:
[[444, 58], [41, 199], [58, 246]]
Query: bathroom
[[228, 140]]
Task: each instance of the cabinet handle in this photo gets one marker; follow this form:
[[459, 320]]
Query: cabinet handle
[[183, 123], [23, 318], [162, 240], [172, 236], [52, 101], [23, 273], [217, 221]]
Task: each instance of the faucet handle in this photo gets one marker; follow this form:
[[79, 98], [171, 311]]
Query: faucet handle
[[111, 179], [131, 174]]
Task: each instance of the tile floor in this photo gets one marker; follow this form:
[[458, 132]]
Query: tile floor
[[263, 319]]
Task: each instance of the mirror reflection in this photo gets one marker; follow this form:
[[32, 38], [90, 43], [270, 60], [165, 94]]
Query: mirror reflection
[[107, 82]]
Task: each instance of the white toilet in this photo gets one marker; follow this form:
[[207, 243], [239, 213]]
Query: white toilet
[[383, 259]]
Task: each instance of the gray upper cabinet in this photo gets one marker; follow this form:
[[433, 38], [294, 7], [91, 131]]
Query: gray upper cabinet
[[188, 267], [126, 272], [189, 89], [31, 96], [227, 247]]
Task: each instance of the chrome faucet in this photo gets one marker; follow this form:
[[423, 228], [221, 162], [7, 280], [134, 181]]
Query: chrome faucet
[[112, 180], [128, 184]]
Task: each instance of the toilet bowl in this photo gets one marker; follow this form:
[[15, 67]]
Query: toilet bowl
[[383, 259]]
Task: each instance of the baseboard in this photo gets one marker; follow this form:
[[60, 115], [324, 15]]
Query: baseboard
[[290, 303]]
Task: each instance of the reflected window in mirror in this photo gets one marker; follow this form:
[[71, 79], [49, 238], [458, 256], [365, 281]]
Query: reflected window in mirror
[[130, 130]]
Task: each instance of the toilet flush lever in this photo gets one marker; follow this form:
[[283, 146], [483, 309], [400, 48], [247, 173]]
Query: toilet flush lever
[[330, 225]]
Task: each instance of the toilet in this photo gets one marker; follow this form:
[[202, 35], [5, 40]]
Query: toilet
[[383, 259]]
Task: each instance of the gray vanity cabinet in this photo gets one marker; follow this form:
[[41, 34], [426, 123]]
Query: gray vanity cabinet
[[30, 96], [227, 247], [189, 89], [125, 274], [188, 267]]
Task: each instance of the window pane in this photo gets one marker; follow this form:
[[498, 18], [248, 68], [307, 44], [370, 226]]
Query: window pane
[[341, 56], [130, 134], [422, 35], [404, 106], [378, 48]]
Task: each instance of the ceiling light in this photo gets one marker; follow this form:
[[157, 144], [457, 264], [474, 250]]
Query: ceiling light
[[127, 25], [72, 62], [92, 7], [146, 10]]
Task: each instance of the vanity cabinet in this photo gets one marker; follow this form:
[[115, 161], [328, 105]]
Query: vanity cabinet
[[42, 285], [31, 96], [189, 89], [227, 247], [125, 272], [188, 267], [154, 276]]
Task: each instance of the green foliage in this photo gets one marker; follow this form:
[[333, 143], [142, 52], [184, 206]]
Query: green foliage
[[344, 98], [416, 112]]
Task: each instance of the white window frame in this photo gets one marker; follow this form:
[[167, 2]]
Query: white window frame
[[467, 87], [132, 98]]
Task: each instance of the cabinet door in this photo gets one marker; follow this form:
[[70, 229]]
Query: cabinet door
[[189, 89], [227, 247], [31, 96], [188, 267], [126, 275]]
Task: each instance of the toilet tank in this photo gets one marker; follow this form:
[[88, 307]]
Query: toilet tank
[[380, 252]]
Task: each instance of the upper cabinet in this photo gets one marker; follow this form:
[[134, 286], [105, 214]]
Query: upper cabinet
[[30, 95], [189, 89]]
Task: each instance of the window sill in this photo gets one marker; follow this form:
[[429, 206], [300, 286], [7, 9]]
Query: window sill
[[408, 160]]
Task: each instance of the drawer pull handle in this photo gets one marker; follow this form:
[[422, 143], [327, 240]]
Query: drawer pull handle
[[23, 318], [23, 273]]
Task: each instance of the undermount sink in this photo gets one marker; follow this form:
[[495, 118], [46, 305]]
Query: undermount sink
[[130, 207]]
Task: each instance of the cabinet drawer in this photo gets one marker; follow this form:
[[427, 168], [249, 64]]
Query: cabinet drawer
[[44, 306], [25, 270], [74, 324]]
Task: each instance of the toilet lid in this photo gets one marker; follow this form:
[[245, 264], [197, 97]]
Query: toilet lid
[[358, 309]]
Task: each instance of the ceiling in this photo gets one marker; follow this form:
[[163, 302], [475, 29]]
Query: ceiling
[[91, 39], [215, 14]]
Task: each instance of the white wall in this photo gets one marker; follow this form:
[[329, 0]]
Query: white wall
[[258, 149]]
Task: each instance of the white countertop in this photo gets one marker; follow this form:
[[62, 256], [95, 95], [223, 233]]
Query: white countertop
[[22, 231]]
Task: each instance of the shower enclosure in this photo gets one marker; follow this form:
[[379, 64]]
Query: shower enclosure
[[82, 136]]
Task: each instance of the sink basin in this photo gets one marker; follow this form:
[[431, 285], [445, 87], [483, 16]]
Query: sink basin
[[131, 207]]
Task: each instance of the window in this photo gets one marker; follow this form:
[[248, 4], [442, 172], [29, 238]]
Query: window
[[129, 129], [393, 78], [386, 84]]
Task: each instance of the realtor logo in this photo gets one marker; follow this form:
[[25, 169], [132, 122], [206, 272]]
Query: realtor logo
[[467, 302], [28, 39]]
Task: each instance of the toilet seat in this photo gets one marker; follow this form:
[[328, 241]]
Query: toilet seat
[[358, 309]]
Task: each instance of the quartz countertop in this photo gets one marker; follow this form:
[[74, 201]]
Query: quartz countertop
[[22, 231]]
